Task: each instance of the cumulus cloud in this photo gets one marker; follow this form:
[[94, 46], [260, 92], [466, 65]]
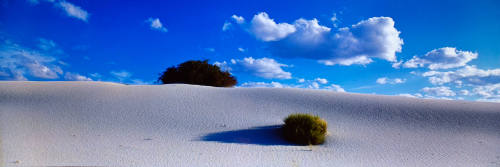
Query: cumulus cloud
[[336, 88], [19, 62], [263, 67], [439, 91], [385, 80], [464, 92], [226, 26], [224, 66], [155, 24], [39, 70], [75, 77], [264, 28], [241, 49], [467, 74], [317, 83], [397, 64], [238, 19], [334, 19], [73, 10], [358, 44], [310, 85], [313, 85], [263, 85], [488, 91], [321, 80], [442, 58]]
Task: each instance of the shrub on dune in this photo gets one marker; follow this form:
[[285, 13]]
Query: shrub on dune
[[305, 129], [197, 73]]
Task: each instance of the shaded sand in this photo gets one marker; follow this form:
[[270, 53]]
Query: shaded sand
[[108, 124]]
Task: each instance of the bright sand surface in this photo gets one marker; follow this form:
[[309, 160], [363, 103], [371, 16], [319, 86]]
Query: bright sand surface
[[109, 124]]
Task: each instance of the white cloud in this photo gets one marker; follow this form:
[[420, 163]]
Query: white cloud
[[358, 44], [439, 91], [385, 80], [372, 38], [263, 85], [494, 100], [318, 83], [382, 80], [241, 49], [409, 95], [41, 71], [19, 62], [264, 28], [336, 88], [397, 64], [313, 85], [76, 77], [321, 80], [334, 19], [224, 66], [442, 58], [464, 92], [226, 26], [263, 67], [310, 85], [124, 76], [156, 24], [73, 10], [398, 80], [96, 75], [70, 9], [238, 19], [467, 74], [121, 75], [488, 91]]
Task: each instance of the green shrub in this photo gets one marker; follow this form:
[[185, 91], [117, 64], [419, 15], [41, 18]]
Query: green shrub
[[305, 129], [197, 73]]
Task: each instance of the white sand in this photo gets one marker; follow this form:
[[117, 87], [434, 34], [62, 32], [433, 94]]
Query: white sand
[[107, 124]]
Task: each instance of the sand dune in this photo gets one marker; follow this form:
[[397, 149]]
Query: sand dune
[[108, 124]]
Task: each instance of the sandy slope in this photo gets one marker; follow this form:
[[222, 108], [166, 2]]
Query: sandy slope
[[95, 123]]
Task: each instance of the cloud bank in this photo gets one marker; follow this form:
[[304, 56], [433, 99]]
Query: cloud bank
[[264, 67], [442, 58], [19, 62], [360, 43]]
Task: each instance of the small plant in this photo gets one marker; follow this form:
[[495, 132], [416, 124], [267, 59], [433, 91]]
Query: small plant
[[305, 129]]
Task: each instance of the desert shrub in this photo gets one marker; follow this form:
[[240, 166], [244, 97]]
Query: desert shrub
[[197, 73], [305, 129]]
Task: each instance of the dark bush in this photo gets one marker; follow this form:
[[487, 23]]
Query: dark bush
[[305, 129], [197, 73]]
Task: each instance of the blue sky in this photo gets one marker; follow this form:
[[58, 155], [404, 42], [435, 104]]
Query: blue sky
[[424, 49]]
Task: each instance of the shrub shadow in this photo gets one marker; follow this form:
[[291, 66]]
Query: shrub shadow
[[262, 135]]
